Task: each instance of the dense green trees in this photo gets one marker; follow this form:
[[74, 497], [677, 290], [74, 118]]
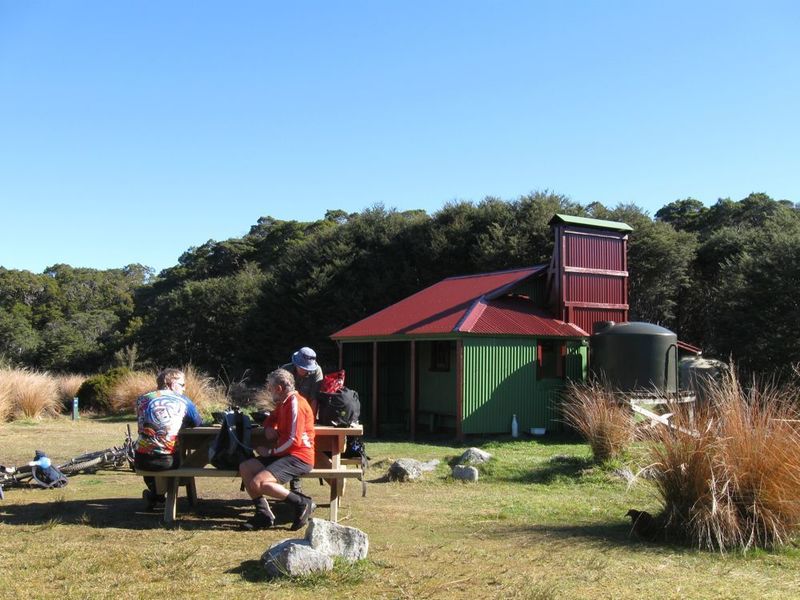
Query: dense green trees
[[721, 276]]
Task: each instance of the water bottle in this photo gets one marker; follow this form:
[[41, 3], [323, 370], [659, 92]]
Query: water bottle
[[514, 426]]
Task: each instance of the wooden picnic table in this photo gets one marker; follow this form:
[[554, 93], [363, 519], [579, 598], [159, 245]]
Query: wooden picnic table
[[194, 442]]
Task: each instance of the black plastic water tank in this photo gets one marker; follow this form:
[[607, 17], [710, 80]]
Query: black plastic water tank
[[635, 356]]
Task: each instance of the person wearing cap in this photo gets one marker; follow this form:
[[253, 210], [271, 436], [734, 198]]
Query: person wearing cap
[[307, 375], [307, 380]]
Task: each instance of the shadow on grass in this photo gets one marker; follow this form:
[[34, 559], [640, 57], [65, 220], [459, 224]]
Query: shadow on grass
[[605, 536], [128, 513], [559, 467], [252, 571]]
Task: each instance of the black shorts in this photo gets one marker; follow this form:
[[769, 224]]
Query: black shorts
[[284, 468]]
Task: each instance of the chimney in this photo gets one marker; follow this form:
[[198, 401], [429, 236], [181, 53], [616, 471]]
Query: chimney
[[587, 280]]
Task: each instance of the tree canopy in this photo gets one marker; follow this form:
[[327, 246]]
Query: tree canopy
[[722, 277]]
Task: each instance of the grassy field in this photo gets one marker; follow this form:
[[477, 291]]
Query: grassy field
[[541, 523]]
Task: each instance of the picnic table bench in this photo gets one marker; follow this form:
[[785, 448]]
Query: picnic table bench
[[193, 444]]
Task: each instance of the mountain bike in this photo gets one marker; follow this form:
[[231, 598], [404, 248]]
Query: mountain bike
[[33, 474], [116, 457]]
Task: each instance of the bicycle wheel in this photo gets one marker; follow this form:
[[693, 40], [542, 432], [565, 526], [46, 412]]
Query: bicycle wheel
[[87, 462], [19, 478]]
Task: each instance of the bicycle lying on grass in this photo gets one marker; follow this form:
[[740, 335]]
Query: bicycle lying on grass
[[40, 472]]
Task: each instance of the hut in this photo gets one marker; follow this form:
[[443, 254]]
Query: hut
[[467, 353]]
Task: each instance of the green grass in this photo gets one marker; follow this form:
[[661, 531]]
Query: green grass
[[543, 522]]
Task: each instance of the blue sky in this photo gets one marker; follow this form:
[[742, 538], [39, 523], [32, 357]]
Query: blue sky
[[131, 131]]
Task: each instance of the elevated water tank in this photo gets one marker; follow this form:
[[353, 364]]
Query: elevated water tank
[[635, 356]]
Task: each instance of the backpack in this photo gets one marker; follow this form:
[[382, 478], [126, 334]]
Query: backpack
[[332, 382], [356, 448], [232, 444], [340, 409], [45, 474]]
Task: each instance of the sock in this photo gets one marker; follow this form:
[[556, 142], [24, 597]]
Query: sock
[[294, 498], [263, 506]]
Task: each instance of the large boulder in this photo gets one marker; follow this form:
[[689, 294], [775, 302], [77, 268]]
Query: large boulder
[[474, 456], [337, 540], [290, 558], [465, 473]]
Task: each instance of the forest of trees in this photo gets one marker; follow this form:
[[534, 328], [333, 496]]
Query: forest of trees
[[722, 277]]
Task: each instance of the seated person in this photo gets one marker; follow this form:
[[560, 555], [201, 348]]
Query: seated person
[[160, 416], [289, 453], [307, 380]]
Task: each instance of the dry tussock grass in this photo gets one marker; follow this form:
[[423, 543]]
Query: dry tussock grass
[[68, 386], [598, 414], [201, 388], [128, 388], [731, 479], [28, 394], [206, 393], [263, 401]]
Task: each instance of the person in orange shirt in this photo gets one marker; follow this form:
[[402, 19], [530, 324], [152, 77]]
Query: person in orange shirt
[[289, 431]]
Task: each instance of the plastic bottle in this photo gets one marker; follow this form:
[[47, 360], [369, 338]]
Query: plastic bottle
[[514, 426]]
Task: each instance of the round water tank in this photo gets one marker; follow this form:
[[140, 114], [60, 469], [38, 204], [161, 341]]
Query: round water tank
[[635, 356]]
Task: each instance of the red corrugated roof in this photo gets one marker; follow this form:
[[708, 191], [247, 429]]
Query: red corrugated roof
[[463, 304], [518, 315]]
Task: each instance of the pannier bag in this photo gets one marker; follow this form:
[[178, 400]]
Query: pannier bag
[[232, 444], [45, 474], [340, 409]]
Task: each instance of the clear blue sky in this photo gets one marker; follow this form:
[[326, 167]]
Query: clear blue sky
[[133, 130]]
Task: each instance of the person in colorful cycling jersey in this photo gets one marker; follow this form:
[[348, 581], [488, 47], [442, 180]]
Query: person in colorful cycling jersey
[[160, 416]]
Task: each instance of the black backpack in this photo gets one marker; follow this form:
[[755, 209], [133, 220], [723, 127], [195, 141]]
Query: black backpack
[[340, 409], [232, 444]]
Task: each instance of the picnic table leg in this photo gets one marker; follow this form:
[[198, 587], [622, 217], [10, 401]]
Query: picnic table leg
[[335, 483], [170, 506], [191, 491]]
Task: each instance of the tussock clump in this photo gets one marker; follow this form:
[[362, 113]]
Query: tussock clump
[[263, 401], [730, 477], [125, 391], [204, 390], [600, 416], [27, 394], [5, 396], [68, 386]]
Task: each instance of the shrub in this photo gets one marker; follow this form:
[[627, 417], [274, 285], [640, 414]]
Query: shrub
[[95, 392], [601, 417], [730, 477], [126, 389], [28, 394]]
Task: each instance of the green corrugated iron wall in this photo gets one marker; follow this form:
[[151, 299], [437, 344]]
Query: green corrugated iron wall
[[500, 381]]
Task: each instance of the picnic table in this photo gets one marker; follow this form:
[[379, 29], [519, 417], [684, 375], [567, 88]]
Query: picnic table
[[193, 445]]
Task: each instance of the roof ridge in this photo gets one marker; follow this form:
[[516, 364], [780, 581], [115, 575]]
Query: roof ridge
[[532, 268]]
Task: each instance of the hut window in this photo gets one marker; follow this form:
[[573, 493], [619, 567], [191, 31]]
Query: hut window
[[440, 356], [550, 359]]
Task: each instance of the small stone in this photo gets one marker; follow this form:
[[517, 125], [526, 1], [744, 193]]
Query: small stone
[[405, 469], [290, 558], [337, 540], [465, 473], [474, 456]]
